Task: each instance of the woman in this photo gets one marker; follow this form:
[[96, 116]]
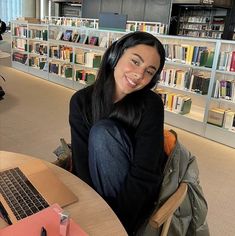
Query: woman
[[117, 128]]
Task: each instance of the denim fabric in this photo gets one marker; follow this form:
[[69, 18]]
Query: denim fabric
[[110, 155]]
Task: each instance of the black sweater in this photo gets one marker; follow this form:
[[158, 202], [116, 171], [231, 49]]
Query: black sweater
[[141, 188]]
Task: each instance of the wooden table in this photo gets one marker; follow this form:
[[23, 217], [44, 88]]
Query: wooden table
[[91, 212]]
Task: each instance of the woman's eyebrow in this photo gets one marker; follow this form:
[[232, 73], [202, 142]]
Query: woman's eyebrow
[[135, 54]]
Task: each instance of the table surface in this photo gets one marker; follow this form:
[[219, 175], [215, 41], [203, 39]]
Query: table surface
[[91, 212]]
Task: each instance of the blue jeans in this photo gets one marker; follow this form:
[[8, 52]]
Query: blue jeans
[[110, 155]]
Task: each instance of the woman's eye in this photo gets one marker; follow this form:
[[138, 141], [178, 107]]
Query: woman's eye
[[135, 62], [150, 72]]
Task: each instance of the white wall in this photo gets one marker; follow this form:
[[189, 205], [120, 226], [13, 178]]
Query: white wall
[[29, 8]]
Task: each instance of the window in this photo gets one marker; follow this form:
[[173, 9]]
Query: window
[[10, 10]]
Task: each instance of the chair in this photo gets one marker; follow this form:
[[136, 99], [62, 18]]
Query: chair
[[162, 217], [164, 214]]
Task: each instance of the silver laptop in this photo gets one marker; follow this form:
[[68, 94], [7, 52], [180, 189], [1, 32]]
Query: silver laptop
[[29, 188]]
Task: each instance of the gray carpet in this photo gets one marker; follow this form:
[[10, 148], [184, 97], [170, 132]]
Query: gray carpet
[[34, 115]]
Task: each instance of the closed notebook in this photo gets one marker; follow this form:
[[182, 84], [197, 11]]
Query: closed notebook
[[48, 218]]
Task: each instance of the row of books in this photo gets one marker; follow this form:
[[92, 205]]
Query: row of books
[[177, 103], [225, 89], [71, 36], [20, 44], [22, 31], [195, 19], [39, 48], [37, 62], [153, 27], [88, 59], [189, 54], [80, 37], [84, 77], [72, 22], [19, 57], [185, 80], [63, 70], [157, 28], [226, 61], [199, 27], [61, 52], [222, 118], [38, 34]]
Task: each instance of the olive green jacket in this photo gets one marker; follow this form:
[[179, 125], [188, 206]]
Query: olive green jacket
[[190, 218]]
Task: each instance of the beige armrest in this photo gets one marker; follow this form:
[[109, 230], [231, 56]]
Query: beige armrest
[[166, 211]]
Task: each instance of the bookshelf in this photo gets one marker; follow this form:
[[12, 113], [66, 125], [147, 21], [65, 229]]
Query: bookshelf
[[152, 27], [222, 121], [193, 66], [20, 46], [206, 22], [190, 74]]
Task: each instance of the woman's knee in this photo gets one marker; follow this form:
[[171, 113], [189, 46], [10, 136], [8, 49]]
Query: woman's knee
[[109, 139], [102, 132]]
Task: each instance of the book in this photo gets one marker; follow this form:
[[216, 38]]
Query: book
[[67, 36], [203, 58], [97, 61], [59, 35], [210, 58], [68, 71], [228, 119], [75, 37], [79, 56], [216, 116], [78, 75], [90, 78], [186, 103], [233, 125], [83, 39], [232, 64], [189, 55], [94, 40], [205, 85], [216, 89], [103, 42]]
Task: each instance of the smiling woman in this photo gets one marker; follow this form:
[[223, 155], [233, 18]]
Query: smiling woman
[[117, 128]]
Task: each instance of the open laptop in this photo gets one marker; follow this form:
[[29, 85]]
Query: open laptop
[[29, 188]]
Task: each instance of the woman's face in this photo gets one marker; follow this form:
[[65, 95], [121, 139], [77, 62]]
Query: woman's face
[[135, 69]]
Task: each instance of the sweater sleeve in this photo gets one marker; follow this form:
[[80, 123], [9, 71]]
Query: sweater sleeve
[[79, 136], [137, 196]]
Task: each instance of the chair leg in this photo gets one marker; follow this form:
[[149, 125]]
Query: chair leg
[[165, 227]]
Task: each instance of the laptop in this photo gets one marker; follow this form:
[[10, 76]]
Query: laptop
[[26, 189]]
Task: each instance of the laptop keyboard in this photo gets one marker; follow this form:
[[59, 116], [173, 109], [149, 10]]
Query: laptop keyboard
[[20, 195]]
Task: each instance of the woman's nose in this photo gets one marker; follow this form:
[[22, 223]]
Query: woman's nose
[[138, 74]]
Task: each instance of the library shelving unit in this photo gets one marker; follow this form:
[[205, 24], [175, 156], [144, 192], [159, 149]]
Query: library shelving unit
[[66, 55], [223, 97], [206, 22], [71, 55], [184, 74], [71, 21], [20, 46], [152, 27]]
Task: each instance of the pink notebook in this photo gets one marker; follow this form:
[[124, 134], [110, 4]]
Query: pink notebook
[[48, 218]]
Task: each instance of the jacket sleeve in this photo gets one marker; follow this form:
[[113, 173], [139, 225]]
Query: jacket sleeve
[[137, 196]]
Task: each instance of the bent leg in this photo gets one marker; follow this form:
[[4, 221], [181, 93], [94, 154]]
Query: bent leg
[[110, 154]]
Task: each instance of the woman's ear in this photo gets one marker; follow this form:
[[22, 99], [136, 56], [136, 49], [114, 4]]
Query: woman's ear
[[115, 54]]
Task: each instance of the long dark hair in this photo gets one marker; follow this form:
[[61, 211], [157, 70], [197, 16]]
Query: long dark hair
[[129, 109]]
